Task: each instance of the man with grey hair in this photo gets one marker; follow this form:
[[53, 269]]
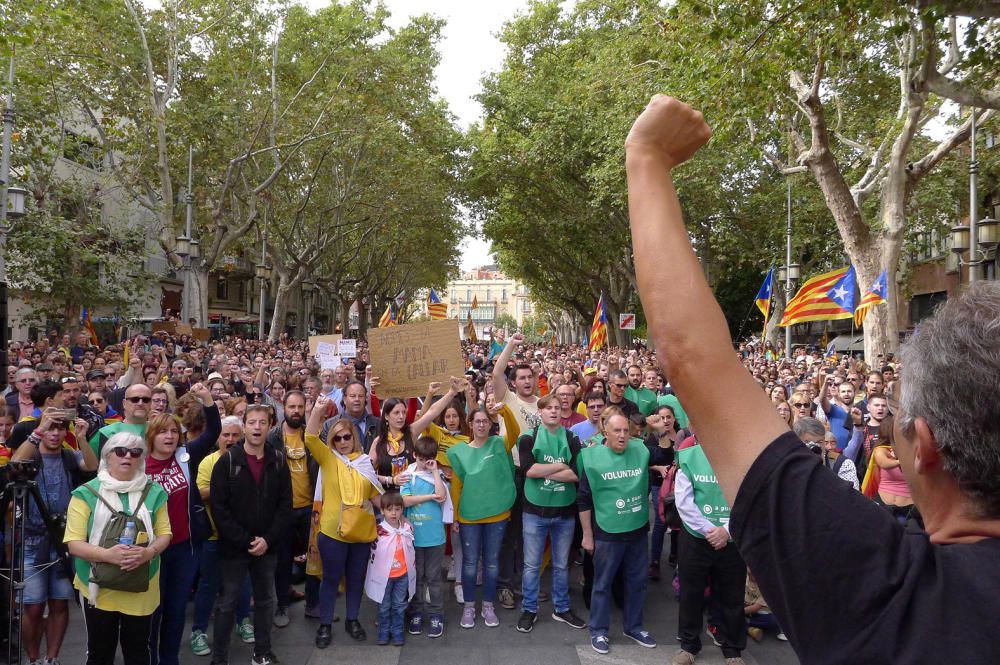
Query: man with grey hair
[[824, 444], [920, 591]]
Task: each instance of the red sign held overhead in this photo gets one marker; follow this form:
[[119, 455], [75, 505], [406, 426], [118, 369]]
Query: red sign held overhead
[[626, 321]]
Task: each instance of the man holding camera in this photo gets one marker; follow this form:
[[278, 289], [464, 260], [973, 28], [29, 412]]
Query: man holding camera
[[46, 581]]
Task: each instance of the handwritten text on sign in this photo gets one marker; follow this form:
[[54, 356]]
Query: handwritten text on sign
[[406, 358]]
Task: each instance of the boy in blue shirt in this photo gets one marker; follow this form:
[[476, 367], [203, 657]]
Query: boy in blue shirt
[[427, 501]]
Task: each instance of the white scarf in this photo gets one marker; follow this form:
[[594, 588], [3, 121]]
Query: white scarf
[[109, 489], [447, 508], [363, 465]]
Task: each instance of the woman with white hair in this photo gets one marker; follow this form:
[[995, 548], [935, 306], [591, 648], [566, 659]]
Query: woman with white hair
[[119, 583]]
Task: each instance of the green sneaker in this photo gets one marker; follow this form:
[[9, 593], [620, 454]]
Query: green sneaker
[[245, 629], [199, 643]]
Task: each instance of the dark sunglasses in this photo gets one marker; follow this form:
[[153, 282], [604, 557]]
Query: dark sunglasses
[[800, 405], [97, 401], [337, 438], [620, 385], [136, 400], [122, 451]]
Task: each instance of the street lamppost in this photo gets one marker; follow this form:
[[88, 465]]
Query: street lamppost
[[263, 272], [186, 246], [11, 205]]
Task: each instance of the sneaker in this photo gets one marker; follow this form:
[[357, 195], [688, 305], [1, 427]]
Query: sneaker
[[199, 643], [436, 628], [459, 596], [570, 619], [245, 631], [600, 643], [311, 612], [526, 622], [642, 638], [468, 617], [416, 625], [264, 659], [755, 633], [781, 636], [735, 661], [490, 616], [710, 631], [506, 598], [682, 657], [281, 617], [52, 661]]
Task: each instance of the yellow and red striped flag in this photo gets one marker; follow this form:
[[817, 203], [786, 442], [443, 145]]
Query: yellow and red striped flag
[[436, 308], [599, 329], [875, 296], [822, 298], [388, 317]]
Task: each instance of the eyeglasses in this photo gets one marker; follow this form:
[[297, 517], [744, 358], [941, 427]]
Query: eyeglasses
[[69, 379], [136, 400], [97, 401], [31, 380], [122, 451], [800, 405], [337, 438], [619, 385]]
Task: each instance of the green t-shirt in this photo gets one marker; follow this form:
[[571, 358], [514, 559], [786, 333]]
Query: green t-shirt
[[550, 448], [708, 495], [102, 435], [619, 485], [643, 397], [487, 475]]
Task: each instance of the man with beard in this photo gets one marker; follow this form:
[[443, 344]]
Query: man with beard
[[72, 388], [287, 437]]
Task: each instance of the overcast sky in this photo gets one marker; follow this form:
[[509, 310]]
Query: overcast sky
[[469, 50]]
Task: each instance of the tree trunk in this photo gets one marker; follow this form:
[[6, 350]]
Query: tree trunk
[[772, 332], [280, 309], [197, 292], [362, 322]]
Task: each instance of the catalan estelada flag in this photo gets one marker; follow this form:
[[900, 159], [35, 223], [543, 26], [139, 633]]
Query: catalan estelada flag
[[875, 296], [388, 318], [89, 325], [475, 302], [470, 330], [599, 329], [436, 308], [823, 298], [763, 299]]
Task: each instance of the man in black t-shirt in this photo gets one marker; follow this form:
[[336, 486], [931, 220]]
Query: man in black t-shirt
[[887, 593], [617, 383]]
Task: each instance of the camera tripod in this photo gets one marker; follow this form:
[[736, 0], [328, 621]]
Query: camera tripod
[[18, 490]]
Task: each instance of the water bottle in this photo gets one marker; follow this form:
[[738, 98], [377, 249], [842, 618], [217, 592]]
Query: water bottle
[[128, 534]]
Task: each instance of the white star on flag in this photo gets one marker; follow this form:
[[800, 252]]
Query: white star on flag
[[839, 293]]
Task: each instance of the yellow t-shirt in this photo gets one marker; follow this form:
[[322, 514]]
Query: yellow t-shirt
[[109, 600], [295, 455], [445, 440], [204, 481], [329, 517], [511, 433]]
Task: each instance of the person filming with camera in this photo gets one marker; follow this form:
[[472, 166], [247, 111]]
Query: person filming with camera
[[47, 583]]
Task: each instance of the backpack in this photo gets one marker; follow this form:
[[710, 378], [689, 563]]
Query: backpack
[[109, 575]]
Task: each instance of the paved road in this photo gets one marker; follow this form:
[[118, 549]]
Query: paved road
[[550, 643]]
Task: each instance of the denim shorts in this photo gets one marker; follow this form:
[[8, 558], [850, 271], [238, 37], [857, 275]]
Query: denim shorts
[[45, 581]]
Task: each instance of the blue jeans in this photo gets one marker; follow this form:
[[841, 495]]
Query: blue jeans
[[481, 541], [608, 556], [560, 531], [208, 588], [341, 560], [390, 612], [178, 564], [45, 578]]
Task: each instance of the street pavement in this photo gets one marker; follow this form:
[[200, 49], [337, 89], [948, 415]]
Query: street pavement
[[550, 643]]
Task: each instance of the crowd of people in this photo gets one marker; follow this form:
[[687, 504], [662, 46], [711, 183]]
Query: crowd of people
[[810, 497], [244, 468]]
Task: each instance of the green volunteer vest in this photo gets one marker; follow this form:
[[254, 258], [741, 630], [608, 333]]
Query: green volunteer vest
[[487, 476], [707, 493], [619, 485], [643, 397], [548, 449], [156, 499]]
